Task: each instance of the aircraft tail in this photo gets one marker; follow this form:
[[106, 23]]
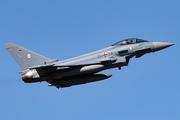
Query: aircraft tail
[[25, 58]]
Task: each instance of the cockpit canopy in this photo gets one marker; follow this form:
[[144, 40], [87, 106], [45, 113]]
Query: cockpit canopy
[[129, 41]]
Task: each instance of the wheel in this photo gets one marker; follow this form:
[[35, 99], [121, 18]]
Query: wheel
[[58, 86]]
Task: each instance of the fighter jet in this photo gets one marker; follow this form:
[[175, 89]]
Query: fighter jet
[[81, 69]]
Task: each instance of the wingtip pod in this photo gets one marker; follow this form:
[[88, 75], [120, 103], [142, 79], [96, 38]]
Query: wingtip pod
[[8, 45]]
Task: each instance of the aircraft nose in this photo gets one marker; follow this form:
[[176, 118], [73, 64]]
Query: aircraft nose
[[161, 45]]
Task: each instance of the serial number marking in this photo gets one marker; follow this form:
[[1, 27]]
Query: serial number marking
[[105, 54]]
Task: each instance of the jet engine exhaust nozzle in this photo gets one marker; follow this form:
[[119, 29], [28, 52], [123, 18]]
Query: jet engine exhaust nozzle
[[27, 77]]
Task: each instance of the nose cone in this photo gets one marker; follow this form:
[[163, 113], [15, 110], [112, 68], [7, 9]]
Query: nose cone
[[161, 45]]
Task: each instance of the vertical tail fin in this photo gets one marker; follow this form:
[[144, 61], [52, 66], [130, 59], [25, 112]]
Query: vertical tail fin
[[25, 58]]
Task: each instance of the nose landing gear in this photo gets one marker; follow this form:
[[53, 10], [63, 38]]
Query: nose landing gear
[[58, 86]]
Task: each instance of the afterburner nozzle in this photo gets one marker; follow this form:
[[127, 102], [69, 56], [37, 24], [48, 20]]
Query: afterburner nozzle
[[28, 76], [161, 45]]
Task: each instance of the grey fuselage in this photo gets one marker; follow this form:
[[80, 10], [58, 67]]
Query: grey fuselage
[[80, 69], [110, 57]]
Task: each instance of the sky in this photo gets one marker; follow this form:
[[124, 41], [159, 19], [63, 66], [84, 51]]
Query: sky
[[147, 89]]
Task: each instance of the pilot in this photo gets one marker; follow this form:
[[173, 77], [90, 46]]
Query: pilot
[[128, 42], [131, 41]]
